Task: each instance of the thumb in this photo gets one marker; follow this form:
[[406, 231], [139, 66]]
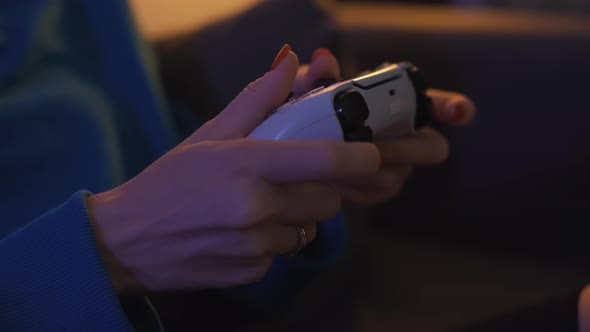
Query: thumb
[[254, 102]]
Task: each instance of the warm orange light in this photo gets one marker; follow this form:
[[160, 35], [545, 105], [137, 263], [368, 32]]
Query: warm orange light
[[159, 18], [452, 19]]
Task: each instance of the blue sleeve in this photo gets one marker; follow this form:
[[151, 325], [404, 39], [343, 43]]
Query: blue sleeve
[[52, 277]]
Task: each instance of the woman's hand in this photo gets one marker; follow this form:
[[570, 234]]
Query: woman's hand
[[215, 210], [399, 155]]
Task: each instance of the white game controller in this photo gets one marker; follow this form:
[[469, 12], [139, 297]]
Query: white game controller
[[391, 101]]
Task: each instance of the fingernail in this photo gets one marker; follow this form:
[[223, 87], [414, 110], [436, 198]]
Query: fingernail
[[320, 51], [456, 111], [281, 56]]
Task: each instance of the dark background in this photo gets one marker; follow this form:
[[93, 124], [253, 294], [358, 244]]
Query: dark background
[[497, 238]]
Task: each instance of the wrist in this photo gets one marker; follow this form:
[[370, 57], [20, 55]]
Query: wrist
[[104, 213]]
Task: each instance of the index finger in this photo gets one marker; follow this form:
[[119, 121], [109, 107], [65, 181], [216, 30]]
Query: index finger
[[312, 160]]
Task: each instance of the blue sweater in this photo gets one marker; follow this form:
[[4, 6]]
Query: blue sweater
[[81, 112]]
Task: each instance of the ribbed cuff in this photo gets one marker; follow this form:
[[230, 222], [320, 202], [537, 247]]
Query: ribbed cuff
[[53, 277]]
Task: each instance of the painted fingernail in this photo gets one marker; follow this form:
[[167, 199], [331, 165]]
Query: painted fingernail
[[281, 56], [456, 112], [320, 51]]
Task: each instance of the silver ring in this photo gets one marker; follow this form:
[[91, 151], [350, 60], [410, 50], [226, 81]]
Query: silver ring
[[301, 241]]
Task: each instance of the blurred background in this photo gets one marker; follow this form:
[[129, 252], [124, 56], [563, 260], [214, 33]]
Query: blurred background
[[499, 231], [160, 19]]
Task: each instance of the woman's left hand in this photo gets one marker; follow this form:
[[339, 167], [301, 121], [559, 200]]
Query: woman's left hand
[[426, 147]]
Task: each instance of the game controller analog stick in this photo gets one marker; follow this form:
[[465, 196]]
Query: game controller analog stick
[[352, 112]]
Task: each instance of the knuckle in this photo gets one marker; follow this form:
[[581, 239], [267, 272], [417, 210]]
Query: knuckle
[[241, 157], [255, 248], [251, 88], [329, 152], [438, 146], [441, 151], [218, 153], [251, 206], [332, 201], [203, 148], [235, 150], [245, 213], [374, 157]]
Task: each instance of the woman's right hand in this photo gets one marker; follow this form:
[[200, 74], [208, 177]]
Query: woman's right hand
[[215, 210]]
